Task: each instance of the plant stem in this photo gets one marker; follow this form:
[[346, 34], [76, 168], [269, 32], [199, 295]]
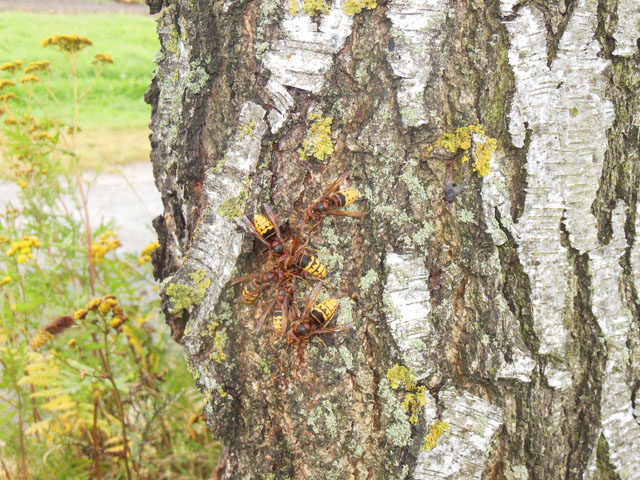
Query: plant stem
[[6, 472], [94, 435], [23, 463], [85, 208], [116, 397]]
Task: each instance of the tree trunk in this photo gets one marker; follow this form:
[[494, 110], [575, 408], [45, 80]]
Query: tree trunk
[[515, 303]]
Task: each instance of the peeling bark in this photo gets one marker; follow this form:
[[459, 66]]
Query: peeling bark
[[515, 306]]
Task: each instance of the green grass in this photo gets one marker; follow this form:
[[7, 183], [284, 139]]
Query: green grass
[[116, 100]]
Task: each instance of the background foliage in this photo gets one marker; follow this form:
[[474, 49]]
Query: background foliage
[[91, 386]]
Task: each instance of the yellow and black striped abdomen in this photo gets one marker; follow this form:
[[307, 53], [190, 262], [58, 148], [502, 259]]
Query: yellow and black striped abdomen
[[263, 226], [344, 197], [277, 318], [312, 265], [323, 312], [251, 291]]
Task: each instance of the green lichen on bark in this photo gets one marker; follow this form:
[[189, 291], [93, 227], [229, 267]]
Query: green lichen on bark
[[184, 296]]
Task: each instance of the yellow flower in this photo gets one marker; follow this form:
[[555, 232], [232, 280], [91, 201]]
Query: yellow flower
[[6, 279], [7, 96], [80, 314], [94, 304], [145, 255], [4, 239], [71, 343], [29, 79], [104, 307], [24, 246], [40, 338], [102, 58], [116, 322], [106, 242], [11, 66], [6, 83], [40, 66], [10, 121], [22, 183], [67, 43], [43, 136]]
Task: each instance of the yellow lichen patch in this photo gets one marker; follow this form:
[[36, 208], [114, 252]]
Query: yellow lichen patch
[[107, 242], [435, 431], [315, 7], [311, 7], [145, 255], [247, 128], [415, 396], [40, 66], [102, 58], [67, 43], [352, 7], [11, 66], [473, 142], [218, 354], [318, 140]]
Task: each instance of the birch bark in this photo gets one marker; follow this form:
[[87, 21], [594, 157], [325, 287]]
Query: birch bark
[[515, 306]]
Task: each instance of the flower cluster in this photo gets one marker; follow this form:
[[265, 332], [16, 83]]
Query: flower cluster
[[29, 79], [145, 255], [6, 83], [24, 247], [67, 43], [106, 242], [104, 306], [7, 96], [11, 66], [102, 58], [41, 66]]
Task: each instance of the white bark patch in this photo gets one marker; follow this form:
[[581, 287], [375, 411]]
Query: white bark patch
[[463, 450], [416, 32], [495, 195], [305, 53], [216, 245], [635, 253], [282, 101], [408, 301], [628, 31], [566, 109], [619, 426]]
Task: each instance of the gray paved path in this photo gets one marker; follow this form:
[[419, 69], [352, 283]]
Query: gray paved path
[[129, 199]]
